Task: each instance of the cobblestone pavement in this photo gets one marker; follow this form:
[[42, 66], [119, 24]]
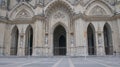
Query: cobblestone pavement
[[109, 61]]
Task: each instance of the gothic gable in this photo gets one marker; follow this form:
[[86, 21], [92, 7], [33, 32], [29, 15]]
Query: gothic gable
[[23, 14], [97, 11], [98, 8], [21, 11]]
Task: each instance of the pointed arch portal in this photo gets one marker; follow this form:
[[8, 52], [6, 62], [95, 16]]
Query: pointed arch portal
[[29, 41], [59, 40], [14, 44], [91, 40], [108, 40]]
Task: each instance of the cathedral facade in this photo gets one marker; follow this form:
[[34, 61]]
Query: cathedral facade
[[59, 27]]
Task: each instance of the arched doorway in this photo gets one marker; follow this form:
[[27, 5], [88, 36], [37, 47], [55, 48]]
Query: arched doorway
[[29, 41], [108, 40], [14, 39], [91, 40], [59, 40]]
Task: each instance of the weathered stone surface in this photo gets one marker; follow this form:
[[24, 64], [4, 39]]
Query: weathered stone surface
[[91, 27]]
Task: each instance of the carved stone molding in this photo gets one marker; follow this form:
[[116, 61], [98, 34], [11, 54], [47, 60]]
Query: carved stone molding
[[38, 17], [94, 18], [3, 20], [97, 18], [74, 17]]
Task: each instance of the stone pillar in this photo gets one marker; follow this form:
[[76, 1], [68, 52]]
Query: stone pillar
[[50, 42], [2, 34], [46, 45], [38, 37], [72, 45], [7, 40], [47, 39], [100, 43], [21, 44], [85, 44], [80, 37]]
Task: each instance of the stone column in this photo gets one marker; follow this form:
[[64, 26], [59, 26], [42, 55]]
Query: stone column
[[46, 45], [38, 38], [80, 37], [2, 34], [7, 40], [72, 45], [21, 43], [100, 43], [85, 44]]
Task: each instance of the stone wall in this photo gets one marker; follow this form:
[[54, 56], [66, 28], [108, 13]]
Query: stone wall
[[74, 16]]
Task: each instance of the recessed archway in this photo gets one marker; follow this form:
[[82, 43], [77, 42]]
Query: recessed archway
[[59, 41], [91, 40], [29, 41], [108, 40], [14, 44]]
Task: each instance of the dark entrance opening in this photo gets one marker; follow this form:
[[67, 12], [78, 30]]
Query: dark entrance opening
[[14, 45], [91, 40], [108, 40], [59, 38], [29, 41]]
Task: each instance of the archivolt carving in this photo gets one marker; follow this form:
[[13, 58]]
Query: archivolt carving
[[58, 5]]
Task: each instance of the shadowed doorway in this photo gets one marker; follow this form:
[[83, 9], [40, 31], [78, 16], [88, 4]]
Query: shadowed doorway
[[59, 41], [108, 40], [14, 44], [29, 41], [91, 40]]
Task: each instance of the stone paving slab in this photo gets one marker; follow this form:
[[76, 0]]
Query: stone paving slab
[[61, 62]]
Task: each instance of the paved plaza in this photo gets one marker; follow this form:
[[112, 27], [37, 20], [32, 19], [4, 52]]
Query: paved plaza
[[108, 61]]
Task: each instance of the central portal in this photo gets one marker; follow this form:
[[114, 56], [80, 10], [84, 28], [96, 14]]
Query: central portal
[[59, 41]]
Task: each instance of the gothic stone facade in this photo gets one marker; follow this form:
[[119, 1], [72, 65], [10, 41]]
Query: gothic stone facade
[[59, 27]]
